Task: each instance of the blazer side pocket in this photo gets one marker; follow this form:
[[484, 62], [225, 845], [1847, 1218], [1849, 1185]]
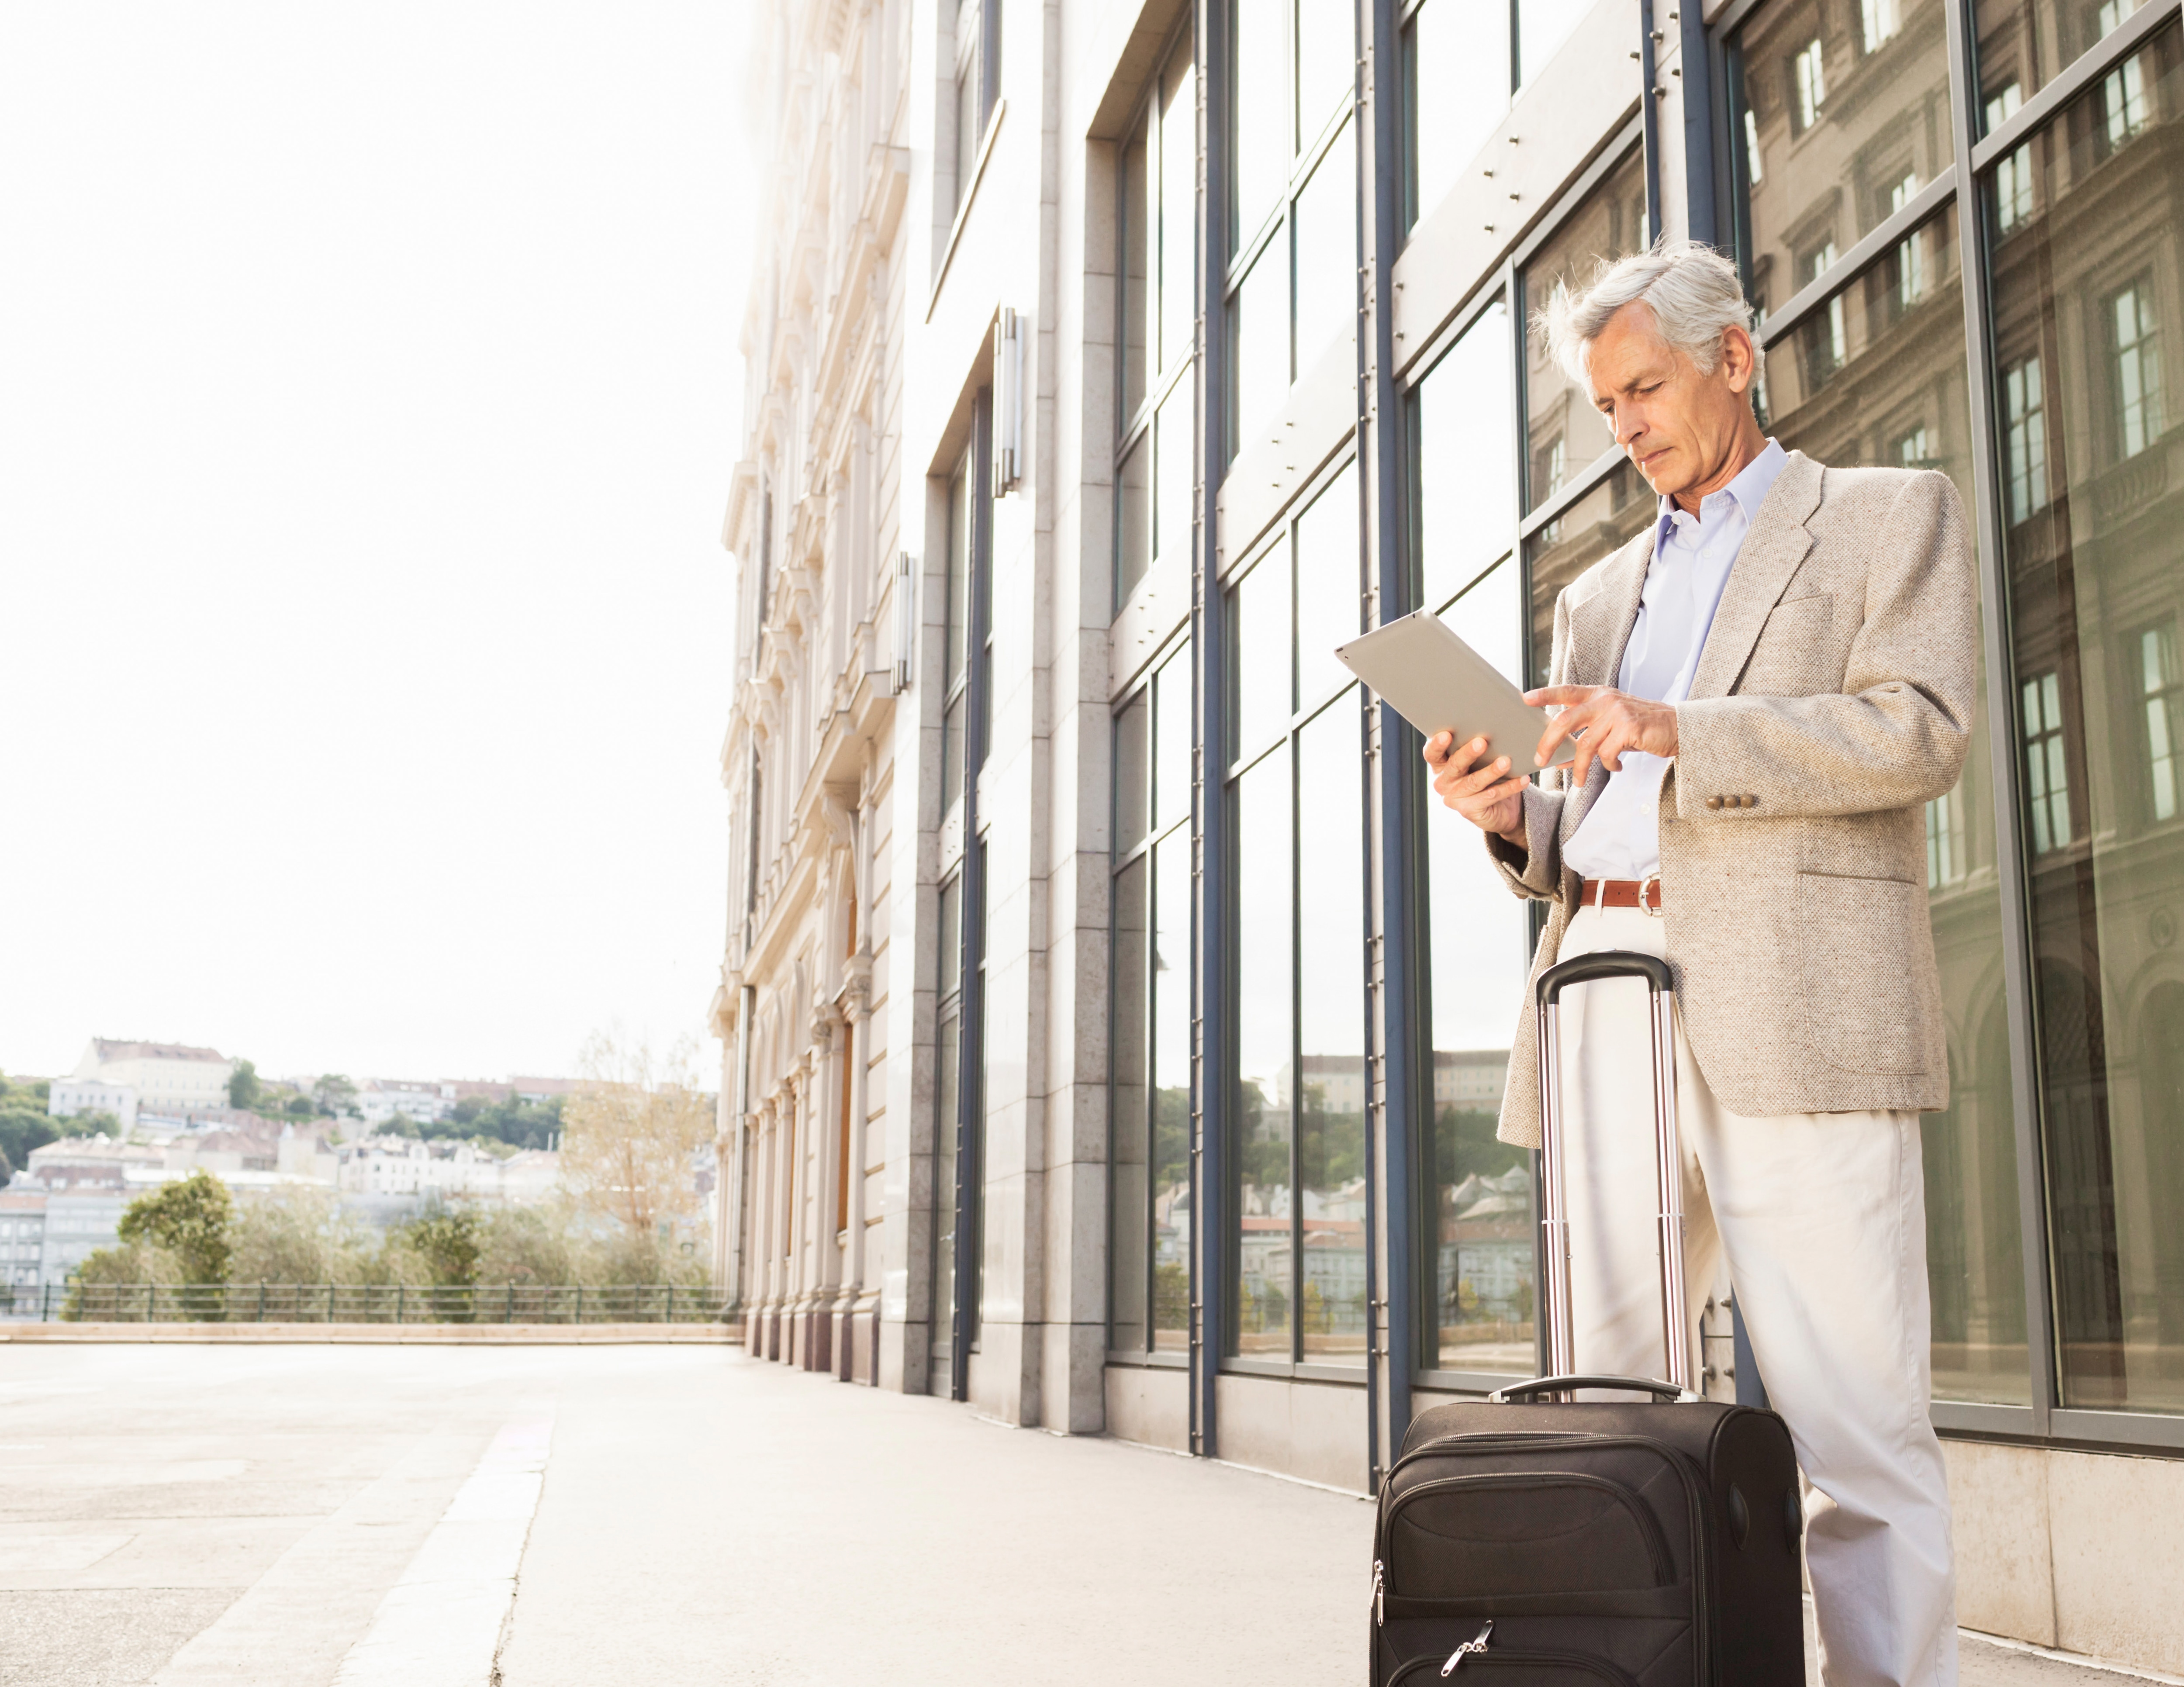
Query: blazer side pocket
[[1863, 1008]]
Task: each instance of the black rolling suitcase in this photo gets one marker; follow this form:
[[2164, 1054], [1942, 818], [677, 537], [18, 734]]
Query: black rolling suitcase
[[1530, 1539]]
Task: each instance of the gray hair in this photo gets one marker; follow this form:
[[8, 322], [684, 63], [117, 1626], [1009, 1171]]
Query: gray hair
[[1692, 291]]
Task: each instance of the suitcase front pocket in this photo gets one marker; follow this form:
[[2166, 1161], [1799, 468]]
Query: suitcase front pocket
[[1492, 1668], [1475, 1537]]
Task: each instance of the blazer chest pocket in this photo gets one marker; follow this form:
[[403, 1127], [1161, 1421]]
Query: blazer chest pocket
[[1796, 654], [1864, 1008]]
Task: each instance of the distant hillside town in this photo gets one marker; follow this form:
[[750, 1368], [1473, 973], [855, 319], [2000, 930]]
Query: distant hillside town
[[134, 1116]]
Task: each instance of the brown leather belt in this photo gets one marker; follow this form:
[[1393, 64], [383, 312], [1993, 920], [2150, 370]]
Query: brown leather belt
[[1620, 892]]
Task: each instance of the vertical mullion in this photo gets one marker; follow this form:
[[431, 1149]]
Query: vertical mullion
[[1290, 746], [1972, 234], [971, 989], [1392, 786], [1209, 659]]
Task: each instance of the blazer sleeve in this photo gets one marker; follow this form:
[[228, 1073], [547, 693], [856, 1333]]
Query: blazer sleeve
[[1898, 731], [1535, 871]]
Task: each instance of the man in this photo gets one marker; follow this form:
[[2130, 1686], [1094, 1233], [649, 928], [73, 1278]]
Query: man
[[1764, 690]]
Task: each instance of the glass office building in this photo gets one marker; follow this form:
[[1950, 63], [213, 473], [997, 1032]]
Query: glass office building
[[1110, 365]]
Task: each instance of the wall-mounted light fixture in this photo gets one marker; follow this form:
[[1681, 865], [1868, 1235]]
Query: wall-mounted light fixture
[[905, 623], [1008, 402]]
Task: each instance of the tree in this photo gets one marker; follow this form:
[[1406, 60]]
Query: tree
[[450, 1243], [334, 1095], [188, 1219], [22, 1130], [242, 1087], [297, 1235], [631, 1128]]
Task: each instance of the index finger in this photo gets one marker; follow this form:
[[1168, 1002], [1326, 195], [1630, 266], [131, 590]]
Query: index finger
[[1547, 694], [1569, 724]]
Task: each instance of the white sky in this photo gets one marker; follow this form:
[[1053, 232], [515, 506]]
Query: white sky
[[368, 397]]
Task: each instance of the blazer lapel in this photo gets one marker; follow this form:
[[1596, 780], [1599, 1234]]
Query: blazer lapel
[[1600, 628], [1772, 549]]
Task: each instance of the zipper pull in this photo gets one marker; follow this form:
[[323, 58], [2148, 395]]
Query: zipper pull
[[1476, 1644], [1379, 1602]]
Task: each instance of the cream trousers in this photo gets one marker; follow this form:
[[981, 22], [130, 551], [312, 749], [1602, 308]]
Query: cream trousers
[[1821, 1218]]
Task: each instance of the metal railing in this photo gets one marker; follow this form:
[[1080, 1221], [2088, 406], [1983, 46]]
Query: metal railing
[[361, 1303]]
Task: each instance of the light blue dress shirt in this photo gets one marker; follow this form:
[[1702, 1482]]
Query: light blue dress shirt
[[1620, 835]]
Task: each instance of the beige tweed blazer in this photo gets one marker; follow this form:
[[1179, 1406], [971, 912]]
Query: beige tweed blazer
[[1832, 701]]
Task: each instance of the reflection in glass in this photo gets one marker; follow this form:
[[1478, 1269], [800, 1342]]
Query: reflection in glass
[[1464, 459], [947, 1056], [1260, 624], [1331, 1092], [1897, 398], [2091, 277], [1127, 1271], [1263, 1266], [1139, 194], [2026, 41], [1179, 207], [1614, 512], [1172, 434], [1325, 229], [1847, 113], [1329, 590], [1478, 949], [1563, 433], [1171, 1092], [1456, 88]]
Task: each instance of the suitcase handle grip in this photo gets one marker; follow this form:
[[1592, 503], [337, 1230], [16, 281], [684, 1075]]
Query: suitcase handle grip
[[1609, 963], [1548, 1385]]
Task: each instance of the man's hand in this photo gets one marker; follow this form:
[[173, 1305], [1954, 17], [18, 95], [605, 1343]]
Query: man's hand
[[1603, 722], [1491, 798]]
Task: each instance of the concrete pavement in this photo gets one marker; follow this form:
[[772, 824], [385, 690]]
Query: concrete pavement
[[294, 1516]]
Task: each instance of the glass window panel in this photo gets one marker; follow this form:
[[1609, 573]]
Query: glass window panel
[[951, 938], [1260, 611], [1134, 518], [1457, 72], [1849, 118], [1467, 472], [1171, 490], [951, 750], [1171, 688], [1325, 228], [1170, 1097], [1542, 26], [2026, 41], [1262, 112], [1617, 509], [1330, 594], [2093, 274], [1563, 432], [1179, 207], [1327, 65], [1479, 943], [1896, 395], [1260, 336], [1263, 1265], [1140, 196], [1126, 1254], [1331, 1124], [1133, 747], [968, 123], [959, 566]]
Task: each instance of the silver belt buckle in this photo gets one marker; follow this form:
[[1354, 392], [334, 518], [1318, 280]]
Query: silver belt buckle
[[1649, 911]]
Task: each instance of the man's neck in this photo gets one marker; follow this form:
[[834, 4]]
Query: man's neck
[[1749, 444]]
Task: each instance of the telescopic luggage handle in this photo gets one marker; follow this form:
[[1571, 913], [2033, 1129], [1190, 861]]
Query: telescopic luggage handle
[[1667, 1167]]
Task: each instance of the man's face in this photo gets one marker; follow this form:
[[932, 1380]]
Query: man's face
[[1677, 424]]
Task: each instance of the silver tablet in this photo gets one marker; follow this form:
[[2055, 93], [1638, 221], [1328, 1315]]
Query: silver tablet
[[1438, 683]]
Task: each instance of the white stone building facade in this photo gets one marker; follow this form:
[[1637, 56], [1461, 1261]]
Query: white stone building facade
[[1112, 1030]]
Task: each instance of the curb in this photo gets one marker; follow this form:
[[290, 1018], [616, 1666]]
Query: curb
[[407, 1335]]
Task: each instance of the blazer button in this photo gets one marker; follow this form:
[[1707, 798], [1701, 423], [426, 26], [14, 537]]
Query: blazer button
[[1713, 802], [1751, 802]]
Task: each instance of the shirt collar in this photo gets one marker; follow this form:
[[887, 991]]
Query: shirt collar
[[1750, 489]]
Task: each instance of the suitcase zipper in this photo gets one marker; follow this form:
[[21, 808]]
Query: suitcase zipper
[[1475, 1645], [1379, 1596]]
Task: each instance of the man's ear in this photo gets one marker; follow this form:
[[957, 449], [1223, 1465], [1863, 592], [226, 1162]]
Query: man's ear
[[1739, 358]]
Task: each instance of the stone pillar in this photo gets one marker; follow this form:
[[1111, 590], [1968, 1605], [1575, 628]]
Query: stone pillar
[[855, 1355]]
